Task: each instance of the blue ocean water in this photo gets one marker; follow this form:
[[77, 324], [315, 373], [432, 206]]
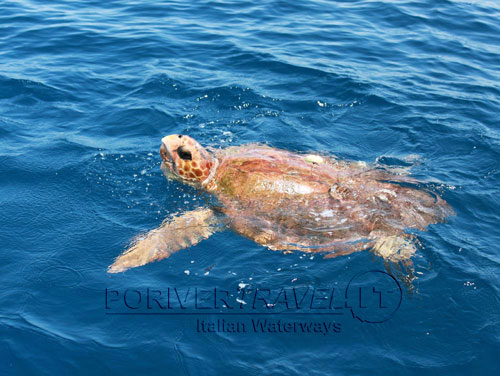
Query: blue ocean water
[[87, 90]]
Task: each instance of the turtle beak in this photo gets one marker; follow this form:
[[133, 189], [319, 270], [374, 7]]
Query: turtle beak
[[167, 165], [165, 155], [168, 144]]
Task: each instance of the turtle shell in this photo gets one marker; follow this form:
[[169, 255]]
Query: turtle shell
[[286, 200]]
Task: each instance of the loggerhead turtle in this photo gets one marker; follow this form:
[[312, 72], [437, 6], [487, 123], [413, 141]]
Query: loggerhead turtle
[[288, 201]]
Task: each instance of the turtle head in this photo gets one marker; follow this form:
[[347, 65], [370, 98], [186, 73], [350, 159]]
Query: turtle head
[[186, 159]]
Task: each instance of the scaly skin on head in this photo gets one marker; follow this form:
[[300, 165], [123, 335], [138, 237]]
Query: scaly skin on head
[[187, 160]]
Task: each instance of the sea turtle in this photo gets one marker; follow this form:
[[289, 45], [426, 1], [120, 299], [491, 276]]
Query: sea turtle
[[288, 201]]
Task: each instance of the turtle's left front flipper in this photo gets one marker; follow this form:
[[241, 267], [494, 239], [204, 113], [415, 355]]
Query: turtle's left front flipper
[[174, 234]]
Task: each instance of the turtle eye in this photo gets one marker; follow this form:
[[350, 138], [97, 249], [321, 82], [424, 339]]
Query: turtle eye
[[183, 153]]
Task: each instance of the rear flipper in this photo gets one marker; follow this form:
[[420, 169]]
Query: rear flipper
[[394, 247], [174, 234], [397, 250]]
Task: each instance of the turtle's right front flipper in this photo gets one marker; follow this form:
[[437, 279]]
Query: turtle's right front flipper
[[174, 234]]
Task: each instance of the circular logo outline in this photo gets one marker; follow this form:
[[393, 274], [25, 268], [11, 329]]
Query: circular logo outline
[[354, 315]]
